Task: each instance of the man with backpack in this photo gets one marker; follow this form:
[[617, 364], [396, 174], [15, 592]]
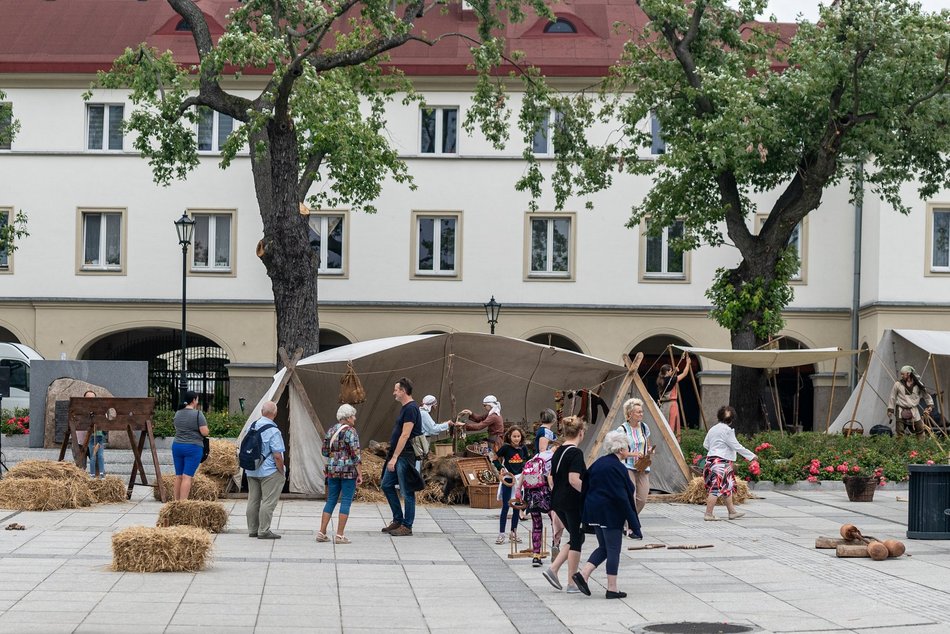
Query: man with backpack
[[262, 458]]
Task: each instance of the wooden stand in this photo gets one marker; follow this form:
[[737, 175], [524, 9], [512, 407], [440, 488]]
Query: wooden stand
[[93, 415], [527, 552]]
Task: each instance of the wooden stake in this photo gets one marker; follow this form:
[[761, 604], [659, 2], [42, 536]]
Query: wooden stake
[[699, 398], [857, 401], [617, 403], [664, 429], [940, 402]]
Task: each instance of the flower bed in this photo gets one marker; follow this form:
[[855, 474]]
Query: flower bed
[[14, 422], [817, 457]]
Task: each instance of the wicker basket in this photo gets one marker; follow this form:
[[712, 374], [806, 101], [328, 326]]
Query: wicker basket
[[860, 489]]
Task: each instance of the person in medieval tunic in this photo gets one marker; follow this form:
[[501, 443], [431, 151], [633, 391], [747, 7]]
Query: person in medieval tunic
[[905, 399], [491, 421], [667, 386]]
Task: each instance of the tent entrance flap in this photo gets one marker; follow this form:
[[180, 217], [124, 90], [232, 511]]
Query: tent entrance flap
[[769, 359]]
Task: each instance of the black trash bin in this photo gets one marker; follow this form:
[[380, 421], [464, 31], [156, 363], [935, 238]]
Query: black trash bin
[[928, 512]]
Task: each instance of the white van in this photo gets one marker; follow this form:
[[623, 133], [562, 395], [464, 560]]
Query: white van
[[17, 357]]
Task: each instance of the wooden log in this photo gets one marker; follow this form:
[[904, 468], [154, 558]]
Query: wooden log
[[834, 542], [689, 546], [646, 547], [848, 550]]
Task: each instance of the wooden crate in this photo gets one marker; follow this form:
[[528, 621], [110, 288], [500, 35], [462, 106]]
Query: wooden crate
[[442, 450], [480, 496]]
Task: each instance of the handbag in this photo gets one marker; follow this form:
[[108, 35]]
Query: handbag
[[643, 462], [420, 446], [205, 441]]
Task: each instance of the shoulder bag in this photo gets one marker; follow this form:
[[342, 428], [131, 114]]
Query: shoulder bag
[[205, 441]]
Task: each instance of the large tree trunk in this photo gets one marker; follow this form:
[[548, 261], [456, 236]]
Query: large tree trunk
[[746, 387], [292, 267]]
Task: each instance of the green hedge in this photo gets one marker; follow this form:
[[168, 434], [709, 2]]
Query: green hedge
[[789, 456], [220, 424]]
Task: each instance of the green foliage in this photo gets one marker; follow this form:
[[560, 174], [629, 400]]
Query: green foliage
[[220, 424], [12, 229], [789, 457], [758, 304]]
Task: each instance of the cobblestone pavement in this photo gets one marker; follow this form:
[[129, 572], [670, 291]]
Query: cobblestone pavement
[[450, 576]]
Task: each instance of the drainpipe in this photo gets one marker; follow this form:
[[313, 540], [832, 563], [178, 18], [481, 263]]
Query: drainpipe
[[856, 283]]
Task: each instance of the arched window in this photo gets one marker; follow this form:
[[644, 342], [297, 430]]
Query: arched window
[[560, 26], [555, 340], [182, 26]]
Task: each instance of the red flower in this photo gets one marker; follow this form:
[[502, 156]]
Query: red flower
[[696, 458], [930, 462], [830, 469], [855, 469], [754, 468], [812, 478], [843, 468], [813, 470], [914, 454]]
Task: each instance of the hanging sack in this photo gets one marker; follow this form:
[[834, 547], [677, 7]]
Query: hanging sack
[[351, 389]]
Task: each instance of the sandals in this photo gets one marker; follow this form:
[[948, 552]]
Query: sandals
[[322, 537], [500, 539], [15, 527], [341, 539], [513, 538], [710, 518]]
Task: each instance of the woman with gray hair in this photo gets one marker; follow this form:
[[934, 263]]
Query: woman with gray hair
[[608, 495], [341, 448], [638, 444]]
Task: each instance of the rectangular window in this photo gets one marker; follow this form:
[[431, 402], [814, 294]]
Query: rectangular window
[[439, 130], [214, 129], [102, 241], [4, 255], [104, 126], [662, 260], [543, 141], [327, 239], [436, 244], [212, 243], [940, 241], [798, 240], [657, 144], [6, 125], [551, 246]]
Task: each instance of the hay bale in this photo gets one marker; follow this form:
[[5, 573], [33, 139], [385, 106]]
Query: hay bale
[[210, 516], [695, 493], [47, 469], [162, 549], [108, 490], [44, 494], [222, 460], [221, 482], [202, 488]]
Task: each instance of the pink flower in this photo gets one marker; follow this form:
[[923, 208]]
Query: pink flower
[[843, 468], [696, 459], [813, 470], [855, 469], [812, 478], [830, 469], [914, 454], [930, 462]]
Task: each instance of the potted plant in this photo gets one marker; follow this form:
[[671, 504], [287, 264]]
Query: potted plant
[[859, 486]]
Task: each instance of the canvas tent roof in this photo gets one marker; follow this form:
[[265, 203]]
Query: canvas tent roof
[[928, 351], [768, 359], [458, 368]]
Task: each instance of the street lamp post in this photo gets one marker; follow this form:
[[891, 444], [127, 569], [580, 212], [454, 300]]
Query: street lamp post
[[492, 308], [185, 227]]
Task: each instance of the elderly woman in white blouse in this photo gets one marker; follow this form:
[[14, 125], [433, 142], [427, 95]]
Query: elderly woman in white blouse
[[719, 474]]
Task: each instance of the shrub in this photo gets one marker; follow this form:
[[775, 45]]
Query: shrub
[[220, 424]]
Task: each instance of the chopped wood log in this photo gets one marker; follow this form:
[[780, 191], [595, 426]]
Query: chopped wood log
[[848, 550]]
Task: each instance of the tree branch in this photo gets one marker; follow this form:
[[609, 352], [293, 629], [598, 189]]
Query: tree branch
[[309, 174], [937, 90]]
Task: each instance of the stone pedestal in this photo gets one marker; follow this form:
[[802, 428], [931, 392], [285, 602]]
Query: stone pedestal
[[248, 381]]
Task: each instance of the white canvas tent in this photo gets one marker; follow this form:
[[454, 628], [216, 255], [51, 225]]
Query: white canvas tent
[[928, 351], [459, 369]]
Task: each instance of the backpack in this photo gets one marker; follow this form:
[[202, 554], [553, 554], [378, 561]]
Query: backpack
[[532, 476], [251, 454]]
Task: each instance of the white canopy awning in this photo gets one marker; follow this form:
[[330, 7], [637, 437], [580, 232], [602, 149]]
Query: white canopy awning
[[935, 342], [769, 358]]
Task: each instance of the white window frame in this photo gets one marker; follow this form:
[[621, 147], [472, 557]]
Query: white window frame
[[550, 124], [800, 278], [106, 124], [439, 130], [436, 272], [101, 269], [548, 274], [8, 267], [657, 142], [929, 269], [215, 126], [662, 276], [323, 216], [211, 268]]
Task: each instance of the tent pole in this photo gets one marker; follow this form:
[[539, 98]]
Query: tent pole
[[831, 401], [778, 404], [681, 422], [943, 415], [857, 401], [798, 391], [699, 398], [670, 440]]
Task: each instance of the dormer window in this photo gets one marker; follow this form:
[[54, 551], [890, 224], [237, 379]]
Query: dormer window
[[560, 26]]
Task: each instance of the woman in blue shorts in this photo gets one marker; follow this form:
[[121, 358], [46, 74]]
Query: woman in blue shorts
[[190, 430]]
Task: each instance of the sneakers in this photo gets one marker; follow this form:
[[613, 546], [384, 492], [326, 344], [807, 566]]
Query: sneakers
[[710, 518], [581, 583], [402, 531], [736, 515], [552, 578], [500, 539], [392, 526], [573, 590], [536, 562], [268, 535]]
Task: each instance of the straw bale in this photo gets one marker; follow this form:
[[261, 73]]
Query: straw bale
[[108, 490], [44, 494], [210, 516], [50, 469], [162, 549], [222, 459], [695, 493], [202, 488]]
